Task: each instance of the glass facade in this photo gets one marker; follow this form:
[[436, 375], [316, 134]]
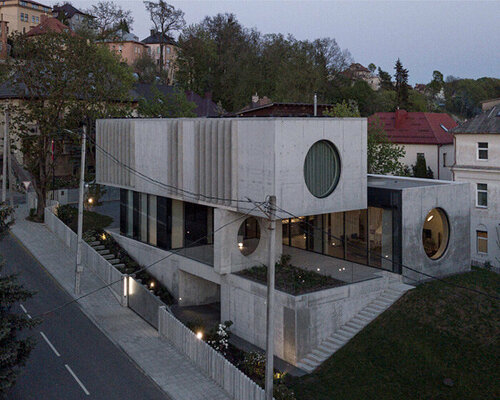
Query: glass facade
[[168, 224], [362, 236]]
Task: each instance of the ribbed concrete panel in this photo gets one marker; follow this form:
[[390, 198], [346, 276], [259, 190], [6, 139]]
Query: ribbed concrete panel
[[115, 139]]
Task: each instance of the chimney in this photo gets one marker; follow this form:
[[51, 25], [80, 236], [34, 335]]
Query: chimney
[[153, 32], [401, 116], [4, 51]]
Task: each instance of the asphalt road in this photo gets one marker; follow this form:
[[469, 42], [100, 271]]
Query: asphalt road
[[73, 359]]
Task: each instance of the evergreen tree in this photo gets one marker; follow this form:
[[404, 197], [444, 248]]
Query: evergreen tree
[[420, 168], [402, 87], [385, 80]]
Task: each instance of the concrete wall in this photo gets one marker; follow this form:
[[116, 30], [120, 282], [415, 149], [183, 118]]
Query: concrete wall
[[301, 322], [417, 203], [168, 269], [214, 159], [227, 256]]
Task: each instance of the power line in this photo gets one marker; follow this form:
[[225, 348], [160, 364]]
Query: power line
[[389, 259], [172, 252]]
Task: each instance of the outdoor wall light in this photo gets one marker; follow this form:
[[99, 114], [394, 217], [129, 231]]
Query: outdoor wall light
[[90, 200], [103, 236], [240, 245], [199, 335], [430, 217], [318, 269], [151, 284]]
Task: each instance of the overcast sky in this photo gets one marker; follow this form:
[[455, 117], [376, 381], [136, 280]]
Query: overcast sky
[[456, 38]]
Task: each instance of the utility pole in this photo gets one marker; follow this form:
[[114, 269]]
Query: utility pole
[[4, 163], [79, 266], [9, 159], [270, 300]]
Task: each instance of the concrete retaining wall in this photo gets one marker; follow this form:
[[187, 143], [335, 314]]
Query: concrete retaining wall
[[237, 384], [302, 322], [102, 268]]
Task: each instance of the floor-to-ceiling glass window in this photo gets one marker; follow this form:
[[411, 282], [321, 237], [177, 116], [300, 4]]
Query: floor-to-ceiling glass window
[[152, 217], [334, 244], [298, 232], [143, 217], [123, 211], [163, 223], [130, 214], [380, 237], [314, 229], [177, 224], [356, 236]]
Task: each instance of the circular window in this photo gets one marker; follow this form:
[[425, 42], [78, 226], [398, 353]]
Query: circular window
[[322, 168], [248, 236], [436, 233]]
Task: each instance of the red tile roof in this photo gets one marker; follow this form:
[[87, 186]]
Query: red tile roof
[[416, 127], [49, 25]]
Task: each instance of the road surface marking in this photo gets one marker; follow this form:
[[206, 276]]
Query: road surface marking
[[24, 309], [29, 316], [50, 344], [77, 380]]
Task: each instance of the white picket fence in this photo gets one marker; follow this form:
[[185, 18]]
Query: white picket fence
[[212, 363]]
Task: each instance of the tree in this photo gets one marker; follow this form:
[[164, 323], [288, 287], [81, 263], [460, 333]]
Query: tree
[[372, 67], [66, 81], [420, 169], [401, 87], [385, 80], [109, 17], [14, 350], [146, 69], [173, 105], [166, 19], [343, 110], [383, 156], [437, 82]]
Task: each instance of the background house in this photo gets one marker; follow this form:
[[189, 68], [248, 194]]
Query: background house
[[477, 149], [422, 133], [127, 45], [153, 42], [22, 15], [71, 16], [357, 71]]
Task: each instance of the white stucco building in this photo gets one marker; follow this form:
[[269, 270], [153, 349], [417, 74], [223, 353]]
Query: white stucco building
[[477, 147], [422, 134]]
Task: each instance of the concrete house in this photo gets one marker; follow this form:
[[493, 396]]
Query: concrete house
[[477, 149], [191, 197], [422, 134], [22, 15]]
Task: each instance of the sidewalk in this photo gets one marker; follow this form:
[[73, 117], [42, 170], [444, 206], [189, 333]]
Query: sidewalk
[[171, 371]]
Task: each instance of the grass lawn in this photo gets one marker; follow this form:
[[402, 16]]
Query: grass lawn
[[434, 332]]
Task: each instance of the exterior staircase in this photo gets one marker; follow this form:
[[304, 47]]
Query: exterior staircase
[[350, 329]]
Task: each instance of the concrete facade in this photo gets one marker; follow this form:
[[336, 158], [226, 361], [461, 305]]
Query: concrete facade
[[301, 322], [469, 168], [205, 161]]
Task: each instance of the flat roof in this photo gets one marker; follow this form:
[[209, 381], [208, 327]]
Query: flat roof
[[402, 182]]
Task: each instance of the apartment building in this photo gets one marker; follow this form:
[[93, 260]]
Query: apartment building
[[477, 149], [22, 15]]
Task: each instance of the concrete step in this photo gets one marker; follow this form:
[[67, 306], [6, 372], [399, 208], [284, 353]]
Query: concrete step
[[327, 347], [114, 261], [99, 247], [321, 354], [334, 341], [374, 308], [315, 358], [349, 329], [121, 265], [108, 256], [355, 325], [103, 252], [382, 303], [95, 243], [306, 367], [343, 335]]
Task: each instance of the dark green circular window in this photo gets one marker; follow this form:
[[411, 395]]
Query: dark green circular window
[[322, 168]]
